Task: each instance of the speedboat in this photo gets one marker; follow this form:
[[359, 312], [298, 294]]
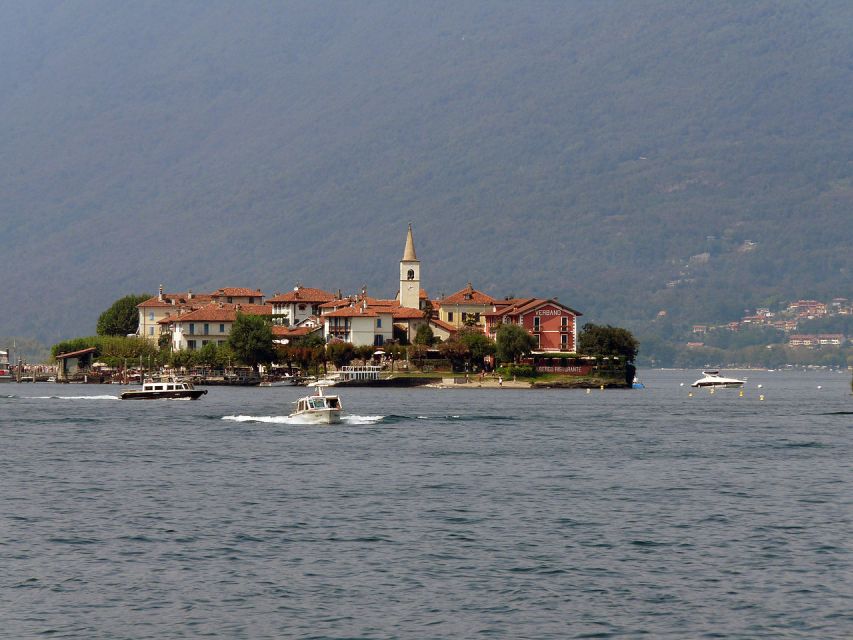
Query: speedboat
[[318, 408], [714, 379], [164, 390], [328, 381]]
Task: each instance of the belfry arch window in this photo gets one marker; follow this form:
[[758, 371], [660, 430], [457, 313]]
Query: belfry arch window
[[411, 274]]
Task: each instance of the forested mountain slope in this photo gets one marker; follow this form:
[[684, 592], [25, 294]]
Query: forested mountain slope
[[627, 157]]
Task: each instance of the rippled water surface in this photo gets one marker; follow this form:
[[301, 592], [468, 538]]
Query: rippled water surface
[[431, 513]]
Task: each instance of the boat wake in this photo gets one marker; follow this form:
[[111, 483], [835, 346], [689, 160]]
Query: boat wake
[[66, 397], [350, 419]]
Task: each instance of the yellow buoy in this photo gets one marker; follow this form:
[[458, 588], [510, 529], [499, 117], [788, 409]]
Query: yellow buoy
[[740, 394], [761, 397]]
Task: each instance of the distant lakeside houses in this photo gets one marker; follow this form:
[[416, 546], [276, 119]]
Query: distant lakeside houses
[[788, 320], [188, 321]]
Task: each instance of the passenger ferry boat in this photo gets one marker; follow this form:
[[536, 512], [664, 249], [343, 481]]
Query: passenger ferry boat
[[164, 390], [5, 367], [714, 379], [318, 408]]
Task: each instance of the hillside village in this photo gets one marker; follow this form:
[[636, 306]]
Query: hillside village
[[188, 321], [788, 320]]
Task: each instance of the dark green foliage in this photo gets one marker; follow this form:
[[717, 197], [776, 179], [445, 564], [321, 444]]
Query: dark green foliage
[[425, 335], [251, 340], [122, 318], [479, 345], [340, 353], [113, 350], [512, 342], [519, 371], [597, 340]]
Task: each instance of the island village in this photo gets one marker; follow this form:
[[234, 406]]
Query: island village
[[193, 320], [408, 335]]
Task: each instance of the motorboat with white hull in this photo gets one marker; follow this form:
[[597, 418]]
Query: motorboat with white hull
[[318, 408], [713, 379], [164, 390]]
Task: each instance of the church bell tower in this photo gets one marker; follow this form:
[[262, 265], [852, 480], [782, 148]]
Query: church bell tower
[[410, 275]]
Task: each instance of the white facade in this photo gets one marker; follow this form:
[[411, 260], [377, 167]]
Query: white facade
[[360, 330]]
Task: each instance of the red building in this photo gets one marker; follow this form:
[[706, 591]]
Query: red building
[[554, 325]]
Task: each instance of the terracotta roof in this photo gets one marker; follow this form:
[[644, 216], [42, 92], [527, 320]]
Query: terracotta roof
[[518, 306], [239, 292], [407, 313], [337, 303], [303, 294], [291, 332], [176, 300], [441, 324], [217, 312], [468, 295]]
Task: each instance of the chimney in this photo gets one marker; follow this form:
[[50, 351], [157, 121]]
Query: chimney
[[160, 294]]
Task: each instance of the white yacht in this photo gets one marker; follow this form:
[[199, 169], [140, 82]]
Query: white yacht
[[318, 408], [714, 379], [164, 390]]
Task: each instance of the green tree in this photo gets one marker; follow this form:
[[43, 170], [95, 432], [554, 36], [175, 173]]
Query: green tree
[[122, 318], [512, 341], [251, 340], [479, 345], [340, 353], [604, 340], [425, 335]]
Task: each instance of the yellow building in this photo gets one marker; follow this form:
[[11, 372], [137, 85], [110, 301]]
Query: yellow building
[[466, 308]]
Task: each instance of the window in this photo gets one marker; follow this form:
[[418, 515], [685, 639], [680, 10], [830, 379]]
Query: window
[[537, 321], [464, 316], [378, 341], [192, 328], [411, 274], [230, 299], [302, 307], [251, 300], [204, 343], [151, 315], [477, 317], [150, 331], [565, 323], [191, 345], [538, 341], [450, 316], [221, 328], [206, 328], [564, 341], [378, 323]]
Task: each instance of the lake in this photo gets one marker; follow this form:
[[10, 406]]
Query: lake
[[430, 513]]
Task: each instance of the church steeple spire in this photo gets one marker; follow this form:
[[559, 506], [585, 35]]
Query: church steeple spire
[[410, 275], [409, 251]]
